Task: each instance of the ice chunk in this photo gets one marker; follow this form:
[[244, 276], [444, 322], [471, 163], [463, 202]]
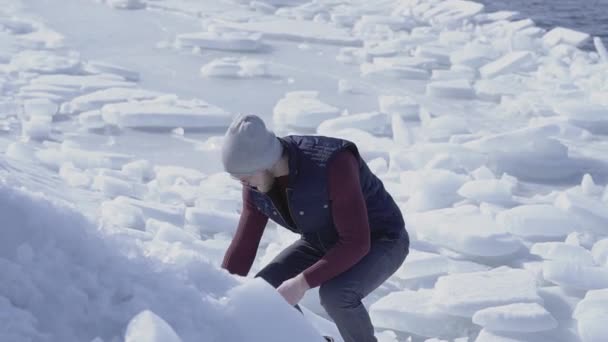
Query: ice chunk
[[98, 99], [303, 110], [375, 70], [209, 221], [413, 312], [561, 35], [563, 252], [467, 233], [146, 326], [601, 49], [113, 187], [82, 83], [74, 176], [296, 30], [83, 158], [162, 212], [420, 264], [160, 114], [520, 317], [488, 190], [37, 128], [40, 108], [573, 275], [43, 62], [537, 220], [99, 67], [437, 186], [465, 294], [376, 123], [511, 62], [170, 175], [404, 106], [451, 12], [230, 67], [592, 213], [227, 41], [437, 53], [474, 55], [115, 213], [590, 116], [600, 252], [558, 302], [140, 170], [528, 153], [592, 316], [454, 89], [128, 5]]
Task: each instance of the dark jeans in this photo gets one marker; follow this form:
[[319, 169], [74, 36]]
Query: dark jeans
[[341, 296]]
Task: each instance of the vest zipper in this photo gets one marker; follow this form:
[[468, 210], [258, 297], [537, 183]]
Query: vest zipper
[[295, 225]]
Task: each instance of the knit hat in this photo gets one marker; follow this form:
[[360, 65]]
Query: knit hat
[[249, 147]]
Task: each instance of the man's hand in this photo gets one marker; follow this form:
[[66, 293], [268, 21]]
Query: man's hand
[[294, 289]]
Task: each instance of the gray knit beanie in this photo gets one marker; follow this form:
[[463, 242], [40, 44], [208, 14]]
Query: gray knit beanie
[[249, 147]]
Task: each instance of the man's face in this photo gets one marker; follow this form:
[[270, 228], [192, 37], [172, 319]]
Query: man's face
[[262, 180]]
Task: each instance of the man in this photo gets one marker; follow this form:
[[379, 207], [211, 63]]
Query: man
[[353, 235]]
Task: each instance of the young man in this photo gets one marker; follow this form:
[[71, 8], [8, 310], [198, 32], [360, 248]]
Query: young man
[[353, 235]]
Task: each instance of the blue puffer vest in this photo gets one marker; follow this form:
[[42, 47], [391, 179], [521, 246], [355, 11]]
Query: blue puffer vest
[[308, 197]]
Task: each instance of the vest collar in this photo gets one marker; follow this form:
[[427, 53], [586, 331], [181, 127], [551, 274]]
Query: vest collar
[[293, 160]]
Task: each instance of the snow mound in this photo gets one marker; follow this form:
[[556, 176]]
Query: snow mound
[[465, 294], [519, 317]]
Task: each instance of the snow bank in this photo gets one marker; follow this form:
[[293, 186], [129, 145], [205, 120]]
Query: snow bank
[[53, 255]]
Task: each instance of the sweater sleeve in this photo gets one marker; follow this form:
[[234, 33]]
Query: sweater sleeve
[[350, 219], [241, 253]]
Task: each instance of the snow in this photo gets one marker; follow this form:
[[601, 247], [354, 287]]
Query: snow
[[465, 294], [519, 317], [488, 131]]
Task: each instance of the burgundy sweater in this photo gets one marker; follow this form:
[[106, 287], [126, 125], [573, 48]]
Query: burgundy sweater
[[349, 216]]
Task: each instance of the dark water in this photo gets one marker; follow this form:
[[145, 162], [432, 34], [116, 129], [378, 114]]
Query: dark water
[[590, 16]]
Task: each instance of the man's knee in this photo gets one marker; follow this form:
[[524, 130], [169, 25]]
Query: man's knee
[[335, 296]]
